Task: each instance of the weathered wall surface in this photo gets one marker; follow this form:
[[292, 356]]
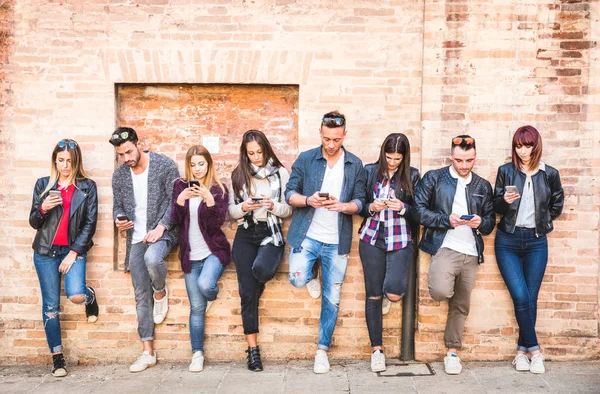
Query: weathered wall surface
[[430, 69]]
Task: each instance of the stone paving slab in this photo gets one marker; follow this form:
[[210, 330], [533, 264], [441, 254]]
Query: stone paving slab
[[352, 376]]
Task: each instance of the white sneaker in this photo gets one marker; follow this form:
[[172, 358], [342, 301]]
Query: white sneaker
[[377, 361], [521, 362], [144, 361], [321, 362], [197, 364], [386, 306], [208, 305], [314, 288], [161, 307], [537, 364], [452, 364]]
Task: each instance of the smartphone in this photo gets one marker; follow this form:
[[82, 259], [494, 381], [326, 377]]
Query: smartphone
[[193, 183], [512, 189], [123, 217], [467, 217], [55, 193], [257, 199], [326, 195]]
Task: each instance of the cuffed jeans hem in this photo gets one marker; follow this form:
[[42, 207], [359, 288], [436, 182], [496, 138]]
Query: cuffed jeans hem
[[56, 349], [250, 332], [159, 291], [323, 347], [147, 339], [453, 345], [528, 349], [197, 350]]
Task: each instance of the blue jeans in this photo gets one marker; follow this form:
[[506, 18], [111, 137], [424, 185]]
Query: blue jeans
[[49, 277], [201, 286], [333, 266], [522, 259]]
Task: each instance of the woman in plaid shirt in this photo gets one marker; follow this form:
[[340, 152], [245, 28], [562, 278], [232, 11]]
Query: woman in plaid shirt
[[385, 246]]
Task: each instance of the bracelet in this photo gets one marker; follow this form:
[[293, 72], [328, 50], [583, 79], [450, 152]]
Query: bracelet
[[306, 202]]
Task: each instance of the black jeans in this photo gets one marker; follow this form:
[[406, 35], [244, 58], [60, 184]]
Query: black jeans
[[255, 265], [385, 273]]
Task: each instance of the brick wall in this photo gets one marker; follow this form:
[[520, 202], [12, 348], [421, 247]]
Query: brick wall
[[431, 69]]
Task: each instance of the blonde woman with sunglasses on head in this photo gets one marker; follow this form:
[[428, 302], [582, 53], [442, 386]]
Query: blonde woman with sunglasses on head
[[64, 212]]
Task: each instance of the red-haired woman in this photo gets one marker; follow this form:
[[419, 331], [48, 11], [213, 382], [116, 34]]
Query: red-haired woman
[[529, 196]]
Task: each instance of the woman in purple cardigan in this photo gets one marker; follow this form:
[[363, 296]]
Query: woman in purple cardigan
[[200, 207]]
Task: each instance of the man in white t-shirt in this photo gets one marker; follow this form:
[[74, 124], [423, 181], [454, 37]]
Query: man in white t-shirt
[[455, 206], [326, 187], [142, 189]]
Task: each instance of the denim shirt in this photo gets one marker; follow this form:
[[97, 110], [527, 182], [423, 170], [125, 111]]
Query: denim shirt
[[306, 178]]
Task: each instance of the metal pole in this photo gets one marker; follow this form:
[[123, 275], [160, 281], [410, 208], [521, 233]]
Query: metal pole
[[407, 344]]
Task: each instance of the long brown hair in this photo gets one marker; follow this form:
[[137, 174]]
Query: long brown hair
[[77, 170], [242, 174], [396, 143], [211, 177], [528, 136]]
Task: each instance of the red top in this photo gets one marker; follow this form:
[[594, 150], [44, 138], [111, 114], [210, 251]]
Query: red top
[[62, 232]]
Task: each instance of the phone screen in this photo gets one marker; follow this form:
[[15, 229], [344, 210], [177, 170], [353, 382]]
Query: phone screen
[[512, 189], [467, 217], [326, 195], [193, 183], [55, 193]]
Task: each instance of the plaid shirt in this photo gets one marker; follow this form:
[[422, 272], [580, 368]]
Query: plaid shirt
[[397, 232]]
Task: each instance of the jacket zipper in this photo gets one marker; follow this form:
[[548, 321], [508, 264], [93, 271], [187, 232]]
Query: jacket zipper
[[534, 207], [475, 231]]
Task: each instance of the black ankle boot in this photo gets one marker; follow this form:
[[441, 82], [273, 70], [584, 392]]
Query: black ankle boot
[[58, 368], [254, 363]]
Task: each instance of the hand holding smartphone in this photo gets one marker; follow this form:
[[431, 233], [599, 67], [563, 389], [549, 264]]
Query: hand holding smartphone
[[324, 195], [122, 218], [193, 183], [512, 189], [467, 217]]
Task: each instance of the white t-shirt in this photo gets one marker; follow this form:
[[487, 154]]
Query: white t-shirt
[[526, 213], [140, 194], [198, 248], [324, 225], [461, 239]]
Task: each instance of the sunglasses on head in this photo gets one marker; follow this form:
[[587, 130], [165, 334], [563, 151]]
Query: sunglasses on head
[[460, 140], [123, 135], [62, 143], [339, 121]]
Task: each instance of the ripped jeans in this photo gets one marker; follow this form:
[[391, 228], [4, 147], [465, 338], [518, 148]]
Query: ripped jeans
[[333, 270], [49, 277]]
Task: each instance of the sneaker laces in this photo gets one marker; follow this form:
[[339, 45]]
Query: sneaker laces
[[159, 305]]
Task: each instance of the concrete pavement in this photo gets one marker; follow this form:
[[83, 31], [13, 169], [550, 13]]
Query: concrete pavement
[[297, 377]]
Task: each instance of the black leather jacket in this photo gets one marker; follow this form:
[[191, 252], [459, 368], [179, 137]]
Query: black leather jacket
[[434, 198], [82, 221], [401, 194], [548, 196]]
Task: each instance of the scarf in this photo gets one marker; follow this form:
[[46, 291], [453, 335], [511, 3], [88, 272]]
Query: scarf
[[270, 172]]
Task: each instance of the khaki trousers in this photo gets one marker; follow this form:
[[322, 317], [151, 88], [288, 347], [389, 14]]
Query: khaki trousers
[[452, 277]]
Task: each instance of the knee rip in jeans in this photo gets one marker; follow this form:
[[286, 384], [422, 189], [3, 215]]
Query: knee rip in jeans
[[77, 298], [51, 313], [393, 297], [334, 296]]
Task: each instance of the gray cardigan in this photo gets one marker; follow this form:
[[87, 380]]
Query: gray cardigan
[[162, 172]]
